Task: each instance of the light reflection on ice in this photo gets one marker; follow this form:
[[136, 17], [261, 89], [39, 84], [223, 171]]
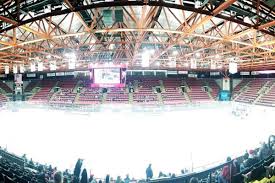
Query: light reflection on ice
[[125, 142]]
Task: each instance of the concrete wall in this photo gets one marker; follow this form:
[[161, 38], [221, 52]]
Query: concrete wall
[[219, 82], [235, 82], [25, 84]]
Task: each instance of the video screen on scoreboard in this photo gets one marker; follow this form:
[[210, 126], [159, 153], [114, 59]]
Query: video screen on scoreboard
[[107, 76], [114, 76]]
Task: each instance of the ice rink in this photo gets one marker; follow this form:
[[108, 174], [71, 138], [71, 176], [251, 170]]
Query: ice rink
[[118, 143]]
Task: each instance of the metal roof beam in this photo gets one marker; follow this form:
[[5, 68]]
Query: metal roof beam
[[25, 27], [134, 3], [269, 24], [77, 14], [204, 20]]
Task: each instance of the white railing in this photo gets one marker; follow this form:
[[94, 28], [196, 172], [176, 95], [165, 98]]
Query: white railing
[[141, 107], [156, 108]]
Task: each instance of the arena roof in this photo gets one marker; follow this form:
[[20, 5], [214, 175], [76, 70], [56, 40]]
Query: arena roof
[[211, 33]]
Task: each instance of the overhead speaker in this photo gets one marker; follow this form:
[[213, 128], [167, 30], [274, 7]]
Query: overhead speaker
[[119, 15], [107, 17]]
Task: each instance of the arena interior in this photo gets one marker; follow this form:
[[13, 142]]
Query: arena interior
[[137, 91]]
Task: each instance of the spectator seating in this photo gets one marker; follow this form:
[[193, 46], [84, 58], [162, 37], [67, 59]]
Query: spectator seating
[[44, 94], [117, 95], [196, 92], [67, 84], [66, 94], [90, 96], [268, 98], [238, 89], [145, 92], [255, 173], [214, 88], [172, 93], [3, 99], [11, 172], [258, 91], [252, 92], [265, 180]]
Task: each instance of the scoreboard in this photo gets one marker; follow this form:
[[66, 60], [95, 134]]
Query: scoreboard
[[108, 75]]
